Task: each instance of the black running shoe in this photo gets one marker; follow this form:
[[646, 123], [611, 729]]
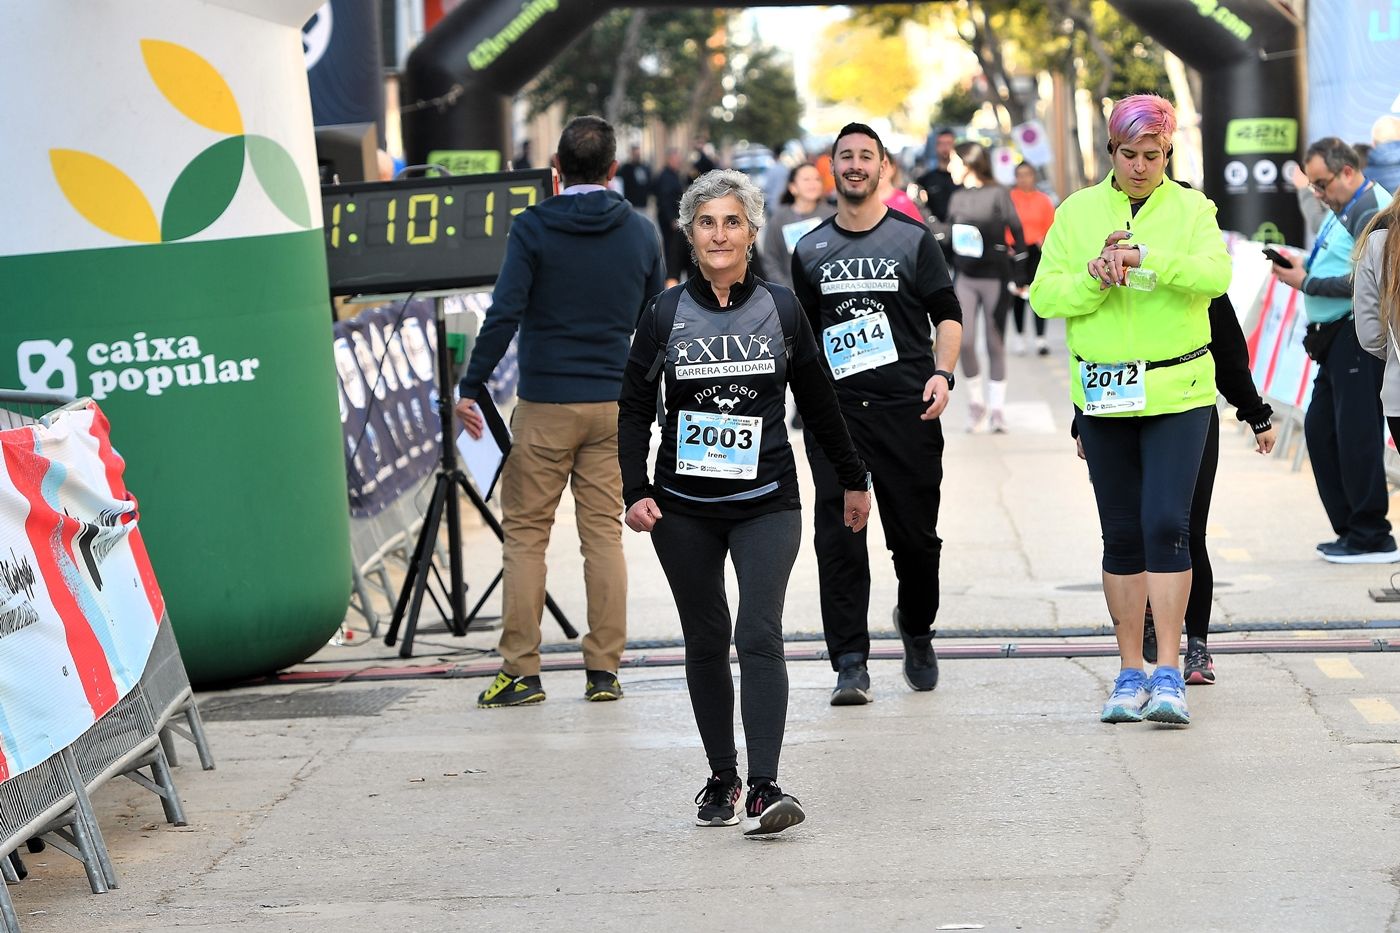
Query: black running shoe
[[769, 810], [920, 660], [1149, 638], [718, 801], [852, 681], [506, 690], [1199, 669], [601, 685]]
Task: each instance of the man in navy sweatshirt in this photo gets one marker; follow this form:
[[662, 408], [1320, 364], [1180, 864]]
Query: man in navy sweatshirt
[[579, 268]]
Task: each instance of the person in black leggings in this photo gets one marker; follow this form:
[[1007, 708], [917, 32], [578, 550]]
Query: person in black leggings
[[725, 346], [1235, 382]]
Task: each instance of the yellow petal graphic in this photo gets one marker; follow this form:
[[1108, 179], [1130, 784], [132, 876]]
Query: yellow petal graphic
[[105, 196], [193, 85]]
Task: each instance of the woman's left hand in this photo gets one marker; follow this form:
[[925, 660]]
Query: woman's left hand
[[857, 509], [1265, 440]]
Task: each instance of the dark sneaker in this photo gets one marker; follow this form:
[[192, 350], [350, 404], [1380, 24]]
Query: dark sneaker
[[506, 690], [1346, 554], [768, 810], [852, 682], [602, 685], [1324, 546], [1149, 637], [920, 660], [718, 801], [1199, 668], [1167, 702]]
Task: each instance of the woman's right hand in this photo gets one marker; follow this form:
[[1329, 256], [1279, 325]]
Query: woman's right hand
[[643, 515]]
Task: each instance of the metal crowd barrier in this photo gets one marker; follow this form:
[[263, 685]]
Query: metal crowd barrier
[[377, 540], [51, 802]]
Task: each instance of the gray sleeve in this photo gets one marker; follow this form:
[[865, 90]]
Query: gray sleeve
[[777, 262], [1313, 210], [1371, 330]]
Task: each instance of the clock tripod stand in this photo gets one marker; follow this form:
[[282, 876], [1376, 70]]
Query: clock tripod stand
[[449, 482]]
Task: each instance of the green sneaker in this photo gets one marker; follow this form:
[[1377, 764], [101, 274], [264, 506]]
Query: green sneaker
[[506, 690], [601, 685]]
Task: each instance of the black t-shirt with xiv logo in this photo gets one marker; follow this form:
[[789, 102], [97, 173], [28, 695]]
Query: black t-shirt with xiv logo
[[724, 449], [896, 269]]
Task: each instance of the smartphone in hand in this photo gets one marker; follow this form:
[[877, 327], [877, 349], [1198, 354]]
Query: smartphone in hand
[[1277, 258]]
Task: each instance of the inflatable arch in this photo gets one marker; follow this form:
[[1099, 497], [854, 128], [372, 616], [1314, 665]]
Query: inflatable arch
[[1246, 51], [163, 254]]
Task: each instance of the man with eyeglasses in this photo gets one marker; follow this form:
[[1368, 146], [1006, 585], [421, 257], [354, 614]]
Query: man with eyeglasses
[[1344, 425]]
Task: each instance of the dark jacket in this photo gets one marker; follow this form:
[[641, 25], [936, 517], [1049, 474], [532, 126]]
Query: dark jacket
[[578, 271]]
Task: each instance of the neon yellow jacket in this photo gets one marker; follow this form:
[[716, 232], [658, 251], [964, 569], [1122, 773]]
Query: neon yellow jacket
[[1184, 247]]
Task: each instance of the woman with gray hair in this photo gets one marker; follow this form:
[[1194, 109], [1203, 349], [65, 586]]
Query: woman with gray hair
[[724, 346]]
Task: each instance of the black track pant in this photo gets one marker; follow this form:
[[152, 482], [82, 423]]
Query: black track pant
[[1343, 427], [905, 459], [1198, 604], [692, 552]]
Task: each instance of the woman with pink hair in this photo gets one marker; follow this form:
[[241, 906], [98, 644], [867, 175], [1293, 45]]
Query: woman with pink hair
[[1132, 264]]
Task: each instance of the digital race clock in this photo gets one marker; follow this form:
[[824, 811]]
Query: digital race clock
[[424, 233]]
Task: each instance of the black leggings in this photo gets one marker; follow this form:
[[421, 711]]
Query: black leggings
[[1198, 604], [763, 549], [1144, 472], [1020, 305]]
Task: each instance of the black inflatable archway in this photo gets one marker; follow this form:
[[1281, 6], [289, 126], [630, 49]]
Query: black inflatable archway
[[1247, 51]]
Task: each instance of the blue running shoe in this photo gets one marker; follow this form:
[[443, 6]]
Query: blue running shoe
[[1129, 695], [1168, 702]]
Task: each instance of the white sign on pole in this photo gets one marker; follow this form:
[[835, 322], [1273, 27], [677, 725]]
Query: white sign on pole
[[1004, 166], [1033, 142]]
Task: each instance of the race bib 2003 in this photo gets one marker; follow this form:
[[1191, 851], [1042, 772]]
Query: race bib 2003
[[717, 445]]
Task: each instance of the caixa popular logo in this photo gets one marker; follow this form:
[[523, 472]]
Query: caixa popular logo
[[142, 363]]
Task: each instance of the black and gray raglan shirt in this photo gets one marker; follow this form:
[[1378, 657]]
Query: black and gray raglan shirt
[[895, 267], [725, 377]]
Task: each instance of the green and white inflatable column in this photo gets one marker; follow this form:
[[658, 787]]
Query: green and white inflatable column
[[161, 252]]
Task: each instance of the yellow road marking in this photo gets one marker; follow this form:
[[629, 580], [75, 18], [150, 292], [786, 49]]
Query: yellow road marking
[[1377, 711], [1338, 668], [1236, 554]]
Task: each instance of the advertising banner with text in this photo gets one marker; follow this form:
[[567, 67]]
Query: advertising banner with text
[[79, 603], [384, 358]]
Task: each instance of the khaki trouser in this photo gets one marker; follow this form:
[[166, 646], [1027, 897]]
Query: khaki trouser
[[556, 445]]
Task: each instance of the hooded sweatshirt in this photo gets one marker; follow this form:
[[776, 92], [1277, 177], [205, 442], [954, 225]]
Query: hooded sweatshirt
[[578, 271]]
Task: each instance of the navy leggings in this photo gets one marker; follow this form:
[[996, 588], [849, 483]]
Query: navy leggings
[[1144, 473]]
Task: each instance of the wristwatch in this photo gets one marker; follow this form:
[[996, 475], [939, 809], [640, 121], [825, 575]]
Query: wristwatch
[[946, 375]]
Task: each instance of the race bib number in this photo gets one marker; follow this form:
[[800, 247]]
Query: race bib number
[[859, 344], [717, 445], [1113, 387], [797, 230], [967, 241]]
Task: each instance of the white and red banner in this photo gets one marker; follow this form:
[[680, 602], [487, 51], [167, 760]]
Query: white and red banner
[[79, 604]]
